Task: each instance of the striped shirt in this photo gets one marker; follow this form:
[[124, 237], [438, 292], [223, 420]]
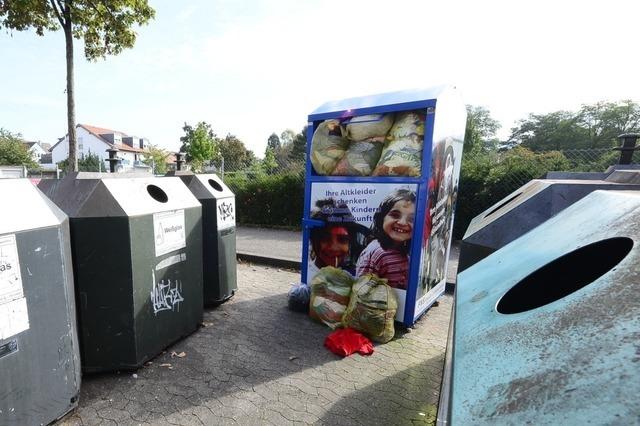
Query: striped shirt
[[389, 264]]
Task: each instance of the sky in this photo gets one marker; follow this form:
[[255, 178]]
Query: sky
[[256, 67]]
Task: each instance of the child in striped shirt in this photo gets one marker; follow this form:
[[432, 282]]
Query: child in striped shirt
[[387, 255]]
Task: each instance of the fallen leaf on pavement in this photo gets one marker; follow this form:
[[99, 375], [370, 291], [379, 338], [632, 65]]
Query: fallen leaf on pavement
[[166, 364]]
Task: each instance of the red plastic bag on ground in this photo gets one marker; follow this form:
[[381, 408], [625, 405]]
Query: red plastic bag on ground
[[346, 341]]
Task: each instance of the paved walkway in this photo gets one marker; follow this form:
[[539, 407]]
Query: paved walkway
[[269, 243], [256, 362]]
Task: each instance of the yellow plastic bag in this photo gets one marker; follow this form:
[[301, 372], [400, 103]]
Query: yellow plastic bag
[[328, 146], [372, 308]]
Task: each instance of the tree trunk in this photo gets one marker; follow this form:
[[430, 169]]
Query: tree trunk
[[71, 107]]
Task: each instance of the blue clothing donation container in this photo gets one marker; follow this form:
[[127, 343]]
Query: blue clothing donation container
[[380, 189]]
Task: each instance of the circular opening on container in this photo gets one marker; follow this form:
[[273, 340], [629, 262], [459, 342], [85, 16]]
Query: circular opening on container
[[564, 275], [501, 205], [157, 193], [215, 185]]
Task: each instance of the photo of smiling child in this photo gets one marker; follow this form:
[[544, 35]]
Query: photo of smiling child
[[387, 254]]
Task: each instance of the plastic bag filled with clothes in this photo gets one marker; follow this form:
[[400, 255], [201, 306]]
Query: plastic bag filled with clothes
[[330, 291], [360, 158], [369, 126], [328, 146], [402, 153], [298, 297], [372, 308]]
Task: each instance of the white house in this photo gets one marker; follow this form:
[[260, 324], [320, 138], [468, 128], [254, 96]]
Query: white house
[[97, 140], [37, 150]]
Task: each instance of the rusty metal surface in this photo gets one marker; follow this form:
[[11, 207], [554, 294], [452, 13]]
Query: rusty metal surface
[[573, 361]]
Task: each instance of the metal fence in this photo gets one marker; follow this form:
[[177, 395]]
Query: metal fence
[[503, 173], [485, 178]]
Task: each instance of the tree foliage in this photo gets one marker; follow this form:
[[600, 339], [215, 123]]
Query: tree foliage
[[105, 26], [200, 144], [273, 143], [87, 163], [269, 163], [593, 126], [287, 136], [235, 153], [480, 134], [13, 151], [156, 158], [299, 146]]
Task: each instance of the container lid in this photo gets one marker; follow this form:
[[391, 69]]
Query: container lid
[[26, 207], [113, 195], [382, 99], [207, 186]]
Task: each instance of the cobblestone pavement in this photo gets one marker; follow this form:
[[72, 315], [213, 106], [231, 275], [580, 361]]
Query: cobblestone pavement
[[254, 362]]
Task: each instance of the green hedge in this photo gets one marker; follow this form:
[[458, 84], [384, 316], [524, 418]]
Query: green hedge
[[268, 200], [485, 178]]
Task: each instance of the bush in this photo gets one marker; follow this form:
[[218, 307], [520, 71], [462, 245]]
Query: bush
[[268, 200]]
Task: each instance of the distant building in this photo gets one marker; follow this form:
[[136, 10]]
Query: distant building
[[37, 149], [172, 163], [97, 140]]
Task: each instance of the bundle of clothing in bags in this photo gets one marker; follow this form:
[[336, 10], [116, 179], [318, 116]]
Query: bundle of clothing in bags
[[365, 304], [370, 145]]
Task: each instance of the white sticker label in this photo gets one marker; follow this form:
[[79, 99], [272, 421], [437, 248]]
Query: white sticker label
[[14, 318], [226, 213], [10, 278], [169, 232], [13, 305]]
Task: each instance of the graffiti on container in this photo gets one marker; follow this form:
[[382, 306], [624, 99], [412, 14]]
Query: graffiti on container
[[225, 210], [165, 296]]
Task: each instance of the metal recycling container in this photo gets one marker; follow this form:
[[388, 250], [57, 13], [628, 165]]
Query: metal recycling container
[[529, 206], [409, 181], [219, 234], [39, 352], [137, 252], [546, 328], [592, 175]]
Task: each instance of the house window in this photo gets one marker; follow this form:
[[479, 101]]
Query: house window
[[80, 146]]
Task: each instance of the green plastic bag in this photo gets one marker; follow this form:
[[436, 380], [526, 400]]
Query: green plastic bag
[[328, 146], [330, 291], [360, 159], [372, 308]]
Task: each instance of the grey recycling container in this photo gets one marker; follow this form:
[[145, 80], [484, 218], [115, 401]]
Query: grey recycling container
[[137, 252], [529, 206], [219, 234], [592, 175], [547, 327], [39, 352]]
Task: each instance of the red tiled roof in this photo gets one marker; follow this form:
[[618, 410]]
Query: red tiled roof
[[97, 131], [100, 130], [125, 147]]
